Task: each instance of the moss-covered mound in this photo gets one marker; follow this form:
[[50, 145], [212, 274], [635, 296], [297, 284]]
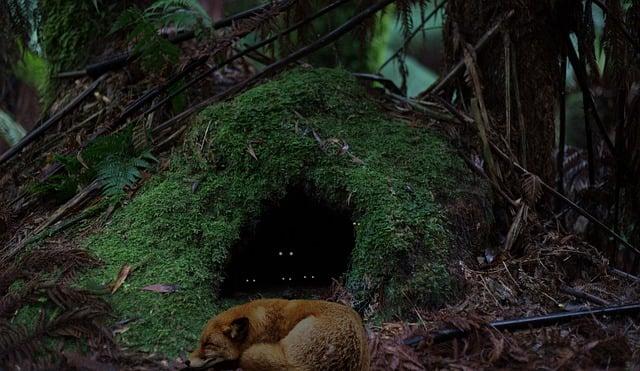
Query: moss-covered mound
[[310, 128]]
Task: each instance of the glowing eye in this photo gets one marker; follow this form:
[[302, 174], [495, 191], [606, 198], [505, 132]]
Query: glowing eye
[[313, 276], [280, 253], [283, 278], [305, 277], [354, 223], [254, 280], [289, 278], [247, 280], [290, 253]]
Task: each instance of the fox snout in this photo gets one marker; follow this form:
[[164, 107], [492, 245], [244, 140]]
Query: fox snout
[[198, 360]]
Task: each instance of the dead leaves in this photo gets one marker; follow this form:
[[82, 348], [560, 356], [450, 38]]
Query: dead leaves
[[532, 188], [161, 288], [122, 276]]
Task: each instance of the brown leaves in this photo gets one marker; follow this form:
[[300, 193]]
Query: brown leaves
[[161, 288], [390, 354], [46, 275], [122, 276]]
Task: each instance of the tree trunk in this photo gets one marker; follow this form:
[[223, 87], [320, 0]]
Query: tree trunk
[[535, 48]]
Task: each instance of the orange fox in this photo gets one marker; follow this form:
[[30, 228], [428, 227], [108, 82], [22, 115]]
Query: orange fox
[[278, 334]]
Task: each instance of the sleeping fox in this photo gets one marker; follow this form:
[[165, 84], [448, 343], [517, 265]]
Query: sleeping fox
[[278, 334]]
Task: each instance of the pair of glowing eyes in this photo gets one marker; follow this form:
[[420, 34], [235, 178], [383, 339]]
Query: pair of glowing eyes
[[283, 278], [289, 278], [281, 253]]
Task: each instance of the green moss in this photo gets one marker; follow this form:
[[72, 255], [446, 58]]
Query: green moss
[[391, 179]]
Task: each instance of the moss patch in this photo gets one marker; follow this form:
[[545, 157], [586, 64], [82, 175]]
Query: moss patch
[[315, 128]]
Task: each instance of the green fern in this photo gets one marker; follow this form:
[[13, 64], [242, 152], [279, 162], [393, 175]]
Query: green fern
[[117, 173], [113, 160], [156, 51]]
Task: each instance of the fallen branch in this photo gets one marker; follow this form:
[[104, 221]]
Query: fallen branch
[[274, 67], [583, 295], [527, 323], [121, 59], [247, 51], [38, 131]]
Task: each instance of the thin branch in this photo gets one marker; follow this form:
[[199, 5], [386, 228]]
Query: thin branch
[[440, 83], [583, 295], [121, 59], [415, 32], [246, 51], [527, 323], [277, 66], [38, 131]]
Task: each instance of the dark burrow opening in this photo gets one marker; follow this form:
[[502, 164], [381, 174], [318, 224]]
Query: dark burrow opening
[[296, 249]]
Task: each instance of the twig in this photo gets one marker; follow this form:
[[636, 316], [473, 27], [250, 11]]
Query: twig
[[272, 68], [626, 275], [527, 323], [440, 83], [481, 113], [37, 132], [408, 39], [247, 51], [583, 295], [150, 95]]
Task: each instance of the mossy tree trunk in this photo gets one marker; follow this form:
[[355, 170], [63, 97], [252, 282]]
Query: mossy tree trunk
[[535, 49]]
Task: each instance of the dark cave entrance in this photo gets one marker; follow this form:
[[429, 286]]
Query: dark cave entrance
[[295, 250]]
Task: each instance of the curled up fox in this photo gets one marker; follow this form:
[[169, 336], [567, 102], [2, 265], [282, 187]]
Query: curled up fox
[[278, 334]]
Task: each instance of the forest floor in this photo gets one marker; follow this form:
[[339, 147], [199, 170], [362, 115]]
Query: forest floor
[[547, 271]]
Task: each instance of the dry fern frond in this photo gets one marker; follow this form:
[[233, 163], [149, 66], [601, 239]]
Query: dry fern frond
[[532, 188]]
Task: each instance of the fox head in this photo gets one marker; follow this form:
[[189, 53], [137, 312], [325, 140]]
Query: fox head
[[221, 341]]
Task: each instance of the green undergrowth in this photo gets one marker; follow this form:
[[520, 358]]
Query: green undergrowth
[[311, 128]]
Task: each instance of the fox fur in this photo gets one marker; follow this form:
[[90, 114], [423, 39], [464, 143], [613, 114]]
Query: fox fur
[[278, 334]]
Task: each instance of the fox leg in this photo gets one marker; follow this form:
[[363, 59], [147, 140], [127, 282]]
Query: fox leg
[[263, 356]]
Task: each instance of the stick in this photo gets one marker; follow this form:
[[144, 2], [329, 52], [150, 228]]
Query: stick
[[121, 59], [530, 322], [583, 295], [412, 35], [303, 52], [37, 132], [440, 83], [246, 51]]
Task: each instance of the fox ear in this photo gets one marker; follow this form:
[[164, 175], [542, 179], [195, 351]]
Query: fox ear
[[238, 330]]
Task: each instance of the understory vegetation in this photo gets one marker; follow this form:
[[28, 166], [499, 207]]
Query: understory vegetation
[[314, 128]]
